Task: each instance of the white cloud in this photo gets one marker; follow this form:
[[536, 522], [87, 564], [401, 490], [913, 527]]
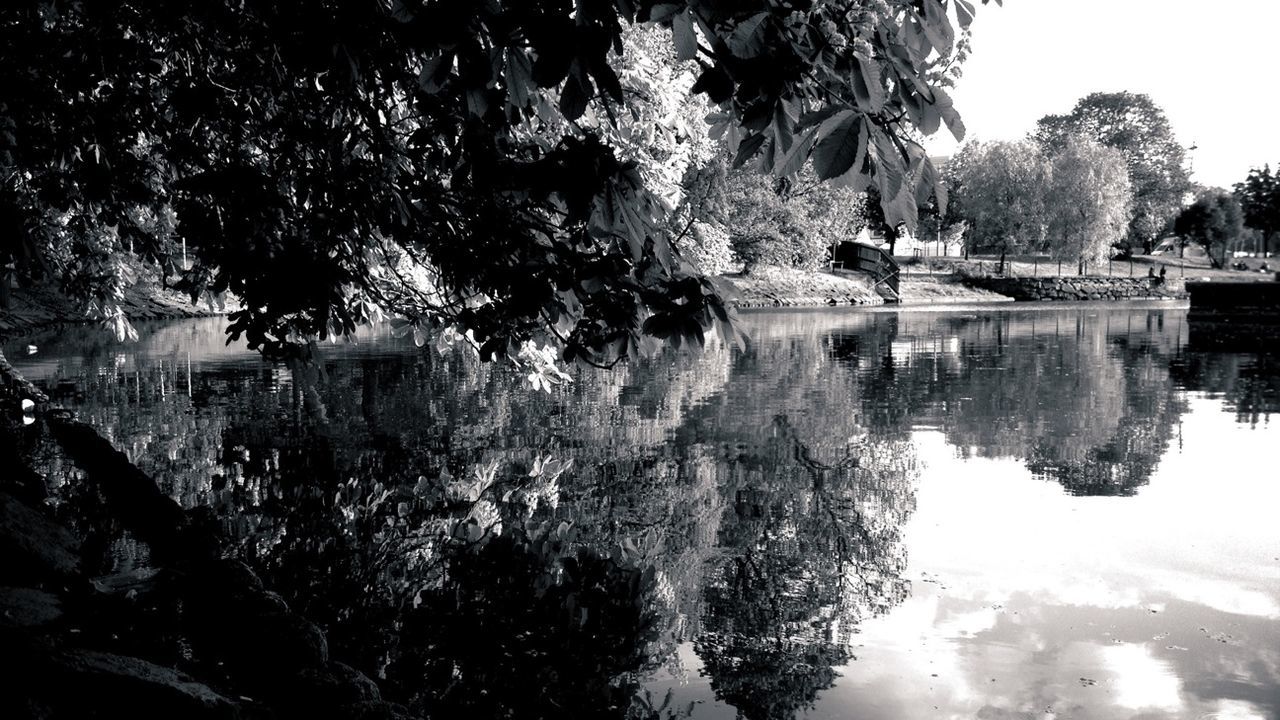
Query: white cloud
[[1139, 680]]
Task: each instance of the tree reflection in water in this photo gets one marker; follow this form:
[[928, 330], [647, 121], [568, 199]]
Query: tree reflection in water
[[750, 501], [525, 628], [1085, 403], [799, 565]]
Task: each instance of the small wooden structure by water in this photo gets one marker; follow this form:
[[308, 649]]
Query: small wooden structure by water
[[870, 259]]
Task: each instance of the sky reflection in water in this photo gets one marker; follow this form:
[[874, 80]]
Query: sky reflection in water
[[1030, 603], [1027, 602]]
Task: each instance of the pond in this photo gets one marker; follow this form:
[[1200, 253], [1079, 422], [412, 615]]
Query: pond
[[994, 513]]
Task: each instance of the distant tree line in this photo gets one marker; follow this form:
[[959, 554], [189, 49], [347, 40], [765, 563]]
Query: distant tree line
[[1245, 219], [1259, 198], [1104, 178], [1107, 178]]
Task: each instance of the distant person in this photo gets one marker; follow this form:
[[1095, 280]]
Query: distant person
[[1163, 270]]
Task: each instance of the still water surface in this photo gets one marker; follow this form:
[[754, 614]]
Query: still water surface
[[1011, 513]]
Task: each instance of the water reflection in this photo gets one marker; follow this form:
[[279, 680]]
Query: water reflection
[[1085, 400], [744, 521], [1249, 382]]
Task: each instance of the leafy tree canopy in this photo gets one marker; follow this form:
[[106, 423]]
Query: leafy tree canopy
[[1088, 202], [1213, 221], [459, 163], [1259, 198], [788, 222], [1133, 124], [1002, 191]]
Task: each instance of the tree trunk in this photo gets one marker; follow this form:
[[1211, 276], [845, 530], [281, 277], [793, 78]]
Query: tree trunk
[[1215, 262]]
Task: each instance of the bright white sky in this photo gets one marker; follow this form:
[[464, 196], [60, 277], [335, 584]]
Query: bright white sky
[[1212, 66]]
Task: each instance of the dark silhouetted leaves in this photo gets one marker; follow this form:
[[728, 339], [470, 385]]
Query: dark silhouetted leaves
[[843, 140]]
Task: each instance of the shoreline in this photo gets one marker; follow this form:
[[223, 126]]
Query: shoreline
[[941, 291], [41, 309], [767, 288], [980, 306], [33, 310]]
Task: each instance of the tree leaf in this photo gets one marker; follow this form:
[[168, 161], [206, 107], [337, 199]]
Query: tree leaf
[[716, 83], [783, 124], [686, 40], [434, 72], [747, 39], [757, 116], [664, 11], [950, 115], [793, 159], [838, 146], [575, 94], [854, 179], [633, 223], [748, 148], [901, 209], [769, 156], [606, 78], [929, 182], [888, 162], [519, 77], [810, 119], [719, 124], [930, 118], [915, 41], [627, 9], [867, 84], [937, 27]]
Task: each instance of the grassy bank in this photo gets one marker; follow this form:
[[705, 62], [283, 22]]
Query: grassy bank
[[942, 290], [788, 287]]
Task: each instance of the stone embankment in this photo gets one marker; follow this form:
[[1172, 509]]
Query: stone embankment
[[1084, 288], [778, 287]]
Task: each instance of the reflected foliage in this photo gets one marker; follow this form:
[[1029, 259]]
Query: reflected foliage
[[1088, 404], [1126, 459], [453, 532], [520, 630], [802, 563], [1248, 382]]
